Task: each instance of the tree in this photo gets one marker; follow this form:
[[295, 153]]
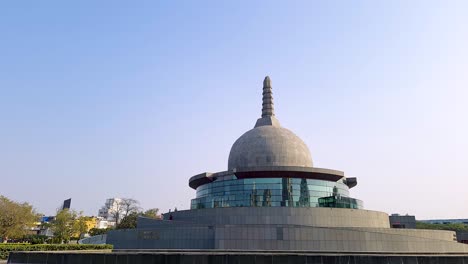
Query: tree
[[130, 221], [61, 226], [99, 231], [80, 226], [451, 227], [15, 218], [123, 208], [116, 211], [130, 206], [68, 224], [152, 213]]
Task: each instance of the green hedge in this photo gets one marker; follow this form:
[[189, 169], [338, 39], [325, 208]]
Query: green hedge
[[5, 249], [451, 227]]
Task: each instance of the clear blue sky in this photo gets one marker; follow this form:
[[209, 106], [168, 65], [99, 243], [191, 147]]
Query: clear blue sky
[[104, 99]]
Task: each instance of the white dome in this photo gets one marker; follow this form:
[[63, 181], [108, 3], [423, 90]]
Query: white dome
[[269, 145]]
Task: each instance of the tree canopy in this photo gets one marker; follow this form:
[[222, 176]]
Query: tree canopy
[[99, 231], [130, 221], [152, 213], [125, 207], [62, 226], [15, 218], [69, 224], [451, 227]]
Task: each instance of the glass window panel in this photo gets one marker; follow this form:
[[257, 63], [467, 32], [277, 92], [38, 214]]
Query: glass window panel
[[273, 192]]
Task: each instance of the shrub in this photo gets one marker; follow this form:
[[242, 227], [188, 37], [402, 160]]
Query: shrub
[[34, 239], [97, 231], [5, 249]]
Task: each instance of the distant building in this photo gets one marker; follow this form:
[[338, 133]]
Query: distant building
[[66, 204], [462, 237], [402, 221], [90, 222], [44, 228], [101, 223], [36, 229]]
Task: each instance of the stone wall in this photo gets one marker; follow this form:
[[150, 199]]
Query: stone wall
[[316, 216], [280, 228], [176, 236], [285, 237], [335, 239], [219, 257]]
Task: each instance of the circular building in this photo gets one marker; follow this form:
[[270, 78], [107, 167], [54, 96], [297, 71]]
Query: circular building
[[270, 166], [271, 197]]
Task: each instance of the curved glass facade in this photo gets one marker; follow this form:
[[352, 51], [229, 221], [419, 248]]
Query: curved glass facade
[[266, 192]]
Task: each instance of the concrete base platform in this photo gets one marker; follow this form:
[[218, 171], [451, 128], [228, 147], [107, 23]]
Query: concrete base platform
[[282, 229], [228, 257]]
